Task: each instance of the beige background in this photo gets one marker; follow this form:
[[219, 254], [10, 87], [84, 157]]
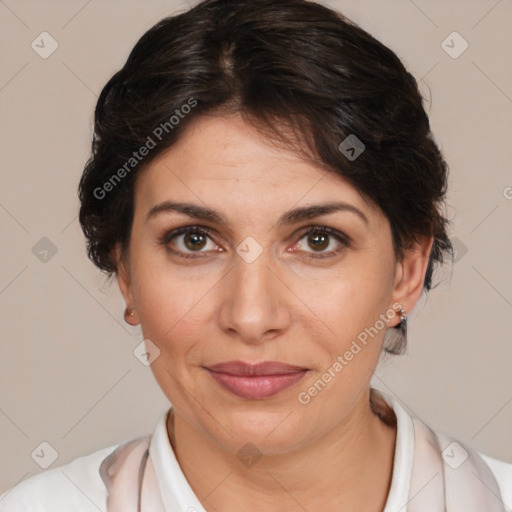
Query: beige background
[[68, 375]]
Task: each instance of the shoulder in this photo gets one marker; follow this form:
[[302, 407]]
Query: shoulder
[[502, 471], [73, 486]]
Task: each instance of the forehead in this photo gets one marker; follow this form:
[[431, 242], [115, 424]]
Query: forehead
[[224, 161]]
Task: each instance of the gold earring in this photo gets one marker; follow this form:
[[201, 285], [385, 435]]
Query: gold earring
[[128, 313]]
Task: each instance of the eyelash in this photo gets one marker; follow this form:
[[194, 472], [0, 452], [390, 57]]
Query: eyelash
[[205, 231]]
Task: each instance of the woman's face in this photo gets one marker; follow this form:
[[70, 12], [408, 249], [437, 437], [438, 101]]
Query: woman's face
[[257, 287]]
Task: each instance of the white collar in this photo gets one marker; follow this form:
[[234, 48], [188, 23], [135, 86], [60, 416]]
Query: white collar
[[176, 490]]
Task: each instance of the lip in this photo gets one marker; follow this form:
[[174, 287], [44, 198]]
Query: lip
[[256, 381]]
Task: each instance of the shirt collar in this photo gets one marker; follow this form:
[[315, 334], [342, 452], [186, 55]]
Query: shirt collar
[[404, 456], [176, 493]]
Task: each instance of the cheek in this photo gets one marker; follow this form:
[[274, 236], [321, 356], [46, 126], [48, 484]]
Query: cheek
[[173, 317], [171, 303], [349, 339], [345, 301], [164, 311]]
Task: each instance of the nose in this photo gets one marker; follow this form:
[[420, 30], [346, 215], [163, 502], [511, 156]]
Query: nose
[[254, 301]]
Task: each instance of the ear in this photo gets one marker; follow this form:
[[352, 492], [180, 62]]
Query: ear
[[410, 274], [123, 277]]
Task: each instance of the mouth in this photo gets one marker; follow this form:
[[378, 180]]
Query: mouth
[[256, 381]]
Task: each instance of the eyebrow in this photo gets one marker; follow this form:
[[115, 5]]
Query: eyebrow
[[290, 217]]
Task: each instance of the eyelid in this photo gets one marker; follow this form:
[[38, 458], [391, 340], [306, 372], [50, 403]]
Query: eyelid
[[326, 229], [183, 230]]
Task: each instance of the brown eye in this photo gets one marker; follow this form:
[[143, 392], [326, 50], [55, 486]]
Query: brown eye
[[318, 241], [194, 241], [187, 240], [320, 238]]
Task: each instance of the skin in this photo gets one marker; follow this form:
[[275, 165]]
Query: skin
[[286, 306]]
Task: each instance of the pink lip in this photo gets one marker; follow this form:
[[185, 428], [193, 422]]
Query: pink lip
[[256, 381]]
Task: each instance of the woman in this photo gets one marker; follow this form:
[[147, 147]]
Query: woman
[[265, 187]]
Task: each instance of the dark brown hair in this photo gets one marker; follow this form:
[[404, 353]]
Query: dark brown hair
[[286, 63]]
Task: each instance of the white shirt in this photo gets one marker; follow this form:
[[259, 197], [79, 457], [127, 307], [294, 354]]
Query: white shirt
[[78, 486]]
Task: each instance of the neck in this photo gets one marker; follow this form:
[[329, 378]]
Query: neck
[[331, 473]]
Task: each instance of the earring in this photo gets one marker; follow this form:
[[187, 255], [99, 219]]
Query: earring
[[403, 320], [128, 314], [403, 316], [396, 338]]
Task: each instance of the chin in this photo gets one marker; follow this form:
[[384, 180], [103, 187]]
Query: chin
[[272, 428]]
